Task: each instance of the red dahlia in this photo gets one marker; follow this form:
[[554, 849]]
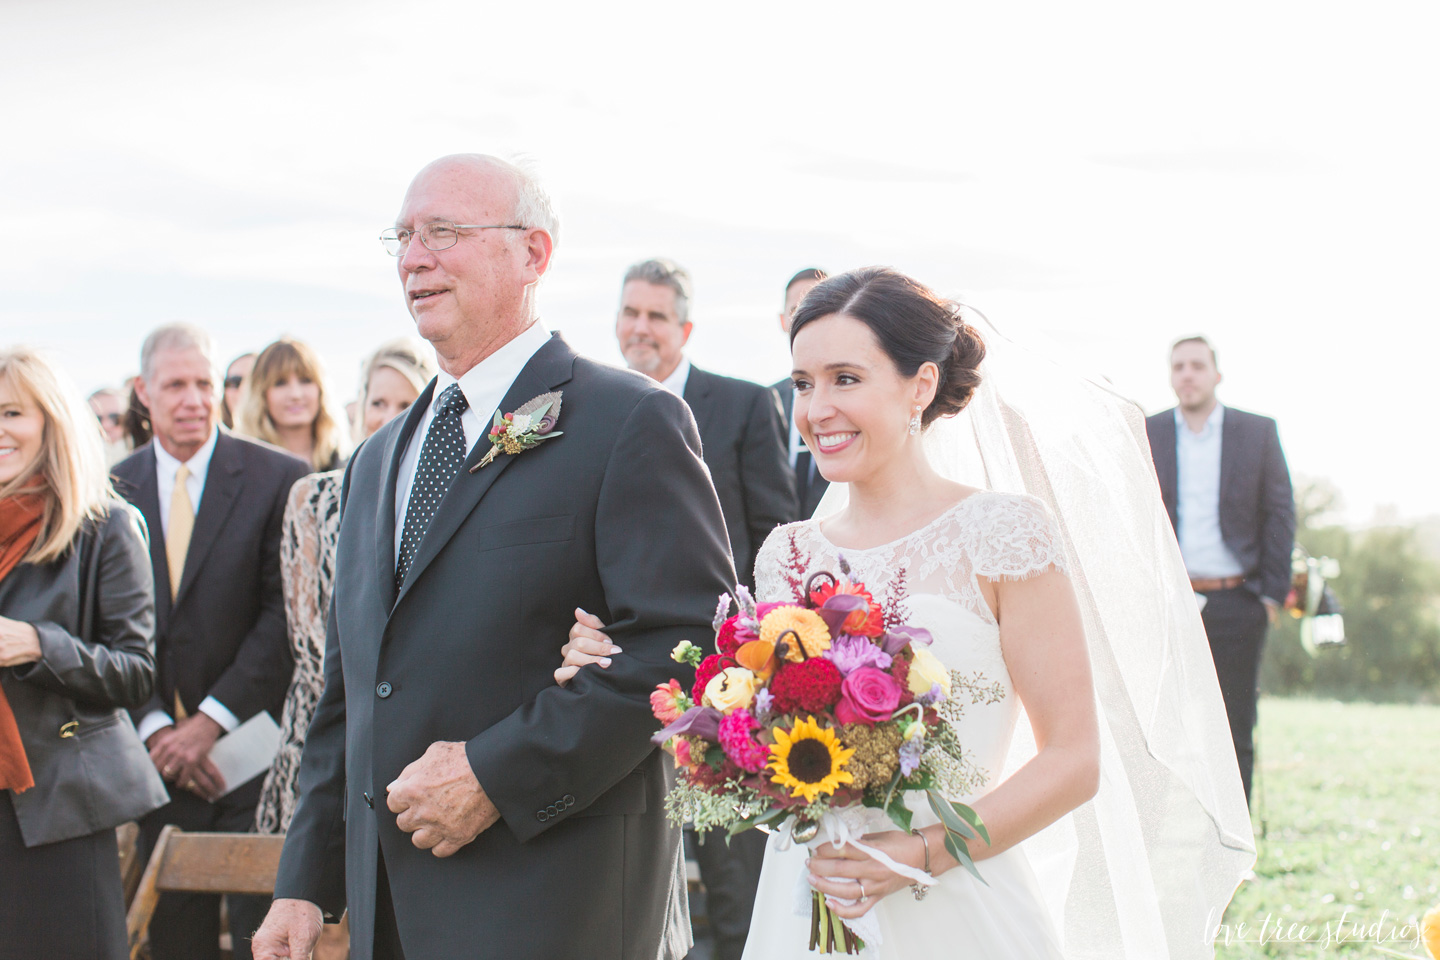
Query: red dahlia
[[726, 640], [807, 687]]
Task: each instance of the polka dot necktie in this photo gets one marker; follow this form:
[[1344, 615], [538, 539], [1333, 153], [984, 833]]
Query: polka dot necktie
[[440, 460]]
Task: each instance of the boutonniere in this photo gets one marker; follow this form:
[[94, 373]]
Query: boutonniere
[[528, 427]]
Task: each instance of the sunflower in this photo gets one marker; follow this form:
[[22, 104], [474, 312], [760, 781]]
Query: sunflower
[[809, 760], [806, 624]]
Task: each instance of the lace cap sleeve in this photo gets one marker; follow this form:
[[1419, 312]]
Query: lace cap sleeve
[[1018, 539]]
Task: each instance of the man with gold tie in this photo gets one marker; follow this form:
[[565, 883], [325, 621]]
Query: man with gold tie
[[214, 504]]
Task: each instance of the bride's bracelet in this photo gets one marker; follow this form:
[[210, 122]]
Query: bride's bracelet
[[918, 890]]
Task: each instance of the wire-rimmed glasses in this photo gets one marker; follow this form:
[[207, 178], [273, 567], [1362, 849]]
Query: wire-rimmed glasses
[[435, 235]]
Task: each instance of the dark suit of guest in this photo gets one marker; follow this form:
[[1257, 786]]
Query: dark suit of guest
[[222, 636], [617, 516], [1255, 508], [810, 486], [742, 436]]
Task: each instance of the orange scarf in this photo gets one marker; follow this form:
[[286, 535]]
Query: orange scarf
[[20, 517]]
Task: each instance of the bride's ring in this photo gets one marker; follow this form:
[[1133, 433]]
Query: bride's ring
[[860, 883]]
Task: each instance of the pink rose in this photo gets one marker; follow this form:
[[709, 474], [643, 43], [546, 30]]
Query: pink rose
[[867, 696]]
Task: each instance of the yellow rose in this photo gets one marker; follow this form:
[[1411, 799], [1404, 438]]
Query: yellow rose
[[731, 689], [926, 670], [1430, 931]]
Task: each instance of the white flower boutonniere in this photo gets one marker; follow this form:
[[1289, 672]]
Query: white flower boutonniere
[[528, 427]]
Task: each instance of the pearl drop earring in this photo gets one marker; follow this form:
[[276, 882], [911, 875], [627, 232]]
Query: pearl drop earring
[[915, 422]]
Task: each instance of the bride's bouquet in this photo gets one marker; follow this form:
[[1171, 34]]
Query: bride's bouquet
[[808, 713]]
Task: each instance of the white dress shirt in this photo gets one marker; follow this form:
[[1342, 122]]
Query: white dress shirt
[[484, 386], [166, 469], [680, 376], [1197, 498]]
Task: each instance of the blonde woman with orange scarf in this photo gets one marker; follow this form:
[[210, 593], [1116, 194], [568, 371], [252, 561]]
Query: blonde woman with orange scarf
[[76, 621]]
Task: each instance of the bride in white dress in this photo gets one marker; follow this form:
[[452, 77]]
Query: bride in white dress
[[1112, 815]]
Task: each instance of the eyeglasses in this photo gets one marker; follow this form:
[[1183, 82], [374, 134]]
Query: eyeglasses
[[436, 235]]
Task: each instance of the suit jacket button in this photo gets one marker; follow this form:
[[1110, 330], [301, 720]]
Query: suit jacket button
[[382, 691], [368, 801], [568, 800], [553, 810], [541, 815]]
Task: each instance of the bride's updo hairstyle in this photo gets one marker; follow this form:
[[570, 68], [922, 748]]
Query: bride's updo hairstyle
[[913, 326]]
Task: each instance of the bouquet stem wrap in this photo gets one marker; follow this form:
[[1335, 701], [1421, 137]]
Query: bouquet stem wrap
[[842, 826]]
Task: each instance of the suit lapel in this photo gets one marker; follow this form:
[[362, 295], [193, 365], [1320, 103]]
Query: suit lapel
[[146, 498], [385, 508], [1167, 466], [697, 396], [222, 488], [1230, 450], [549, 368]]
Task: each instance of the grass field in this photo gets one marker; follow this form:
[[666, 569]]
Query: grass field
[[1349, 799]]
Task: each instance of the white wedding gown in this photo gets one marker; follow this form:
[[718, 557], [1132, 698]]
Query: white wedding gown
[[934, 573]]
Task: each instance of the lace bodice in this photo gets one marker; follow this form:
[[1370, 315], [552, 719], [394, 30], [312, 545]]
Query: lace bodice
[[931, 578]]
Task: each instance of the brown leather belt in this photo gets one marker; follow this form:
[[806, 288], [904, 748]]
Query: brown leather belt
[[1212, 584]]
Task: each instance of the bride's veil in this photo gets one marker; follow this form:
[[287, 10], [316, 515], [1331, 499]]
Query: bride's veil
[[1145, 869]]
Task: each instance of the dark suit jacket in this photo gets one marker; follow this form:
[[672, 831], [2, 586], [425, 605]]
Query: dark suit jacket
[[1257, 506], [224, 633], [95, 613], [742, 436], [812, 486], [617, 516]]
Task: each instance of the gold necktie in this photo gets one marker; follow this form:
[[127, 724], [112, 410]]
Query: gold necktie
[[182, 523]]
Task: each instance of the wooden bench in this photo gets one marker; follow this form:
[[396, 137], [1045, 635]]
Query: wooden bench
[[202, 863]]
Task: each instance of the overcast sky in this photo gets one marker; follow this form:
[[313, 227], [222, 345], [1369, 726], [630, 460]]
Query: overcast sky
[[1112, 175]]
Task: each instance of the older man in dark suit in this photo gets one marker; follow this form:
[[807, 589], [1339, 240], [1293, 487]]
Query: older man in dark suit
[[810, 486], [214, 505], [452, 796], [1226, 487]]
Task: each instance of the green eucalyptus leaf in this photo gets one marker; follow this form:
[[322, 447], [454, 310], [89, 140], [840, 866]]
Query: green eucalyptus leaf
[[900, 813], [948, 816], [972, 818], [961, 853], [499, 419]]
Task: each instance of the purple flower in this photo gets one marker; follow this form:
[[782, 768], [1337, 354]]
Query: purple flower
[[697, 721], [899, 638], [910, 752], [837, 608], [930, 697], [851, 653], [763, 703], [547, 423]]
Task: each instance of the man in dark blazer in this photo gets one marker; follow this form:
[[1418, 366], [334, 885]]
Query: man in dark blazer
[[810, 486], [214, 504], [742, 436], [741, 426], [1226, 487], [452, 796]]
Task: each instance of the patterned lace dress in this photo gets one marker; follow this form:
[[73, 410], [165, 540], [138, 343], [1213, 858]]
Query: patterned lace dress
[[936, 570], [307, 572]]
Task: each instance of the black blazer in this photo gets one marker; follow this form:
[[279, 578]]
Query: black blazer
[[224, 634], [742, 436], [812, 486], [1257, 506], [95, 613], [617, 516]]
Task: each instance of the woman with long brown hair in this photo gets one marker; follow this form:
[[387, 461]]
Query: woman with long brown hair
[[76, 622], [285, 403]]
